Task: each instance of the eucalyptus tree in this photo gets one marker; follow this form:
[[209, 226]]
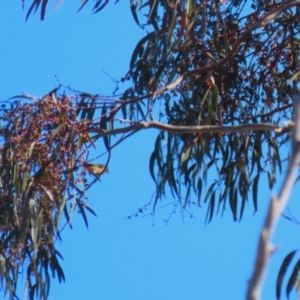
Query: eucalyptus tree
[[212, 76]]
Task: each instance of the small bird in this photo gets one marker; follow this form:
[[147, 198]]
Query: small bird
[[96, 169]]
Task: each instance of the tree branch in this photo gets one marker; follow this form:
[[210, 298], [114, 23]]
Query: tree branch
[[188, 129], [276, 207]]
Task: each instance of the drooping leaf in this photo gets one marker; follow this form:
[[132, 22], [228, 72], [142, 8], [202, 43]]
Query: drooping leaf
[[233, 202], [43, 9], [271, 179], [82, 212], [282, 271], [199, 192], [209, 191], [35, 4], [293, 279], [56, 269], [210, 210], [133, 8], [84, 2], [151, 165], [139, 49], [58, 130], [103, 125], [254, 191], [172, 181], [100, 7], [90, 210], [185, 155]]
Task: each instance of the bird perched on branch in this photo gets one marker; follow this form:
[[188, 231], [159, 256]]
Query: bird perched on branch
[[96, 169]]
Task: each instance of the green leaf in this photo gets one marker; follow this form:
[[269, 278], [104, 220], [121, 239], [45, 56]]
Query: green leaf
[[47, 285], [190, 8], [157, 148], [25, 181], [103, 125], [133, 8], [31, 149], [210, 109], [226, 42], [199, 190], [73, 205], [83, 111], [173, 71], [172, 25], [139, 49], [43, 9], [57, 130], [282, 271], [127, 95], [225, 154], [295, 76], [216, 36], [82, 212], [55, 267], [233, 201], [79, 106], [59, 254], [210, 210], [254, 191], [293, 279], [35, 4], [37, 230], [90, 210], [215, 98], [151, 165], [185, 154], [84, 2], [92, 109], [187, 196], [209, 54], [172, 182], [244, 200], [203, 21], [206, 168], [271, 180], [140, 110], [20, 97], [209, 191], [15, 174], [100, 7], [276, 157], [235, 198]]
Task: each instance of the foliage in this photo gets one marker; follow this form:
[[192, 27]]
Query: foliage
[[42, 178], [208, 67], [208, 63]]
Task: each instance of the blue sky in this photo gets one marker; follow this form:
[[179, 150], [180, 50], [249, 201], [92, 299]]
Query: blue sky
[[117, 258]]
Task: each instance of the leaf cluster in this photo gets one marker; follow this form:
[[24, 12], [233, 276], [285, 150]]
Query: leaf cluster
[[232, 71], [43, 150]]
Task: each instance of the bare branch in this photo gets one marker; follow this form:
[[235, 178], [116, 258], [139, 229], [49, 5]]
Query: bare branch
[[188, 129], [276, 207]]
